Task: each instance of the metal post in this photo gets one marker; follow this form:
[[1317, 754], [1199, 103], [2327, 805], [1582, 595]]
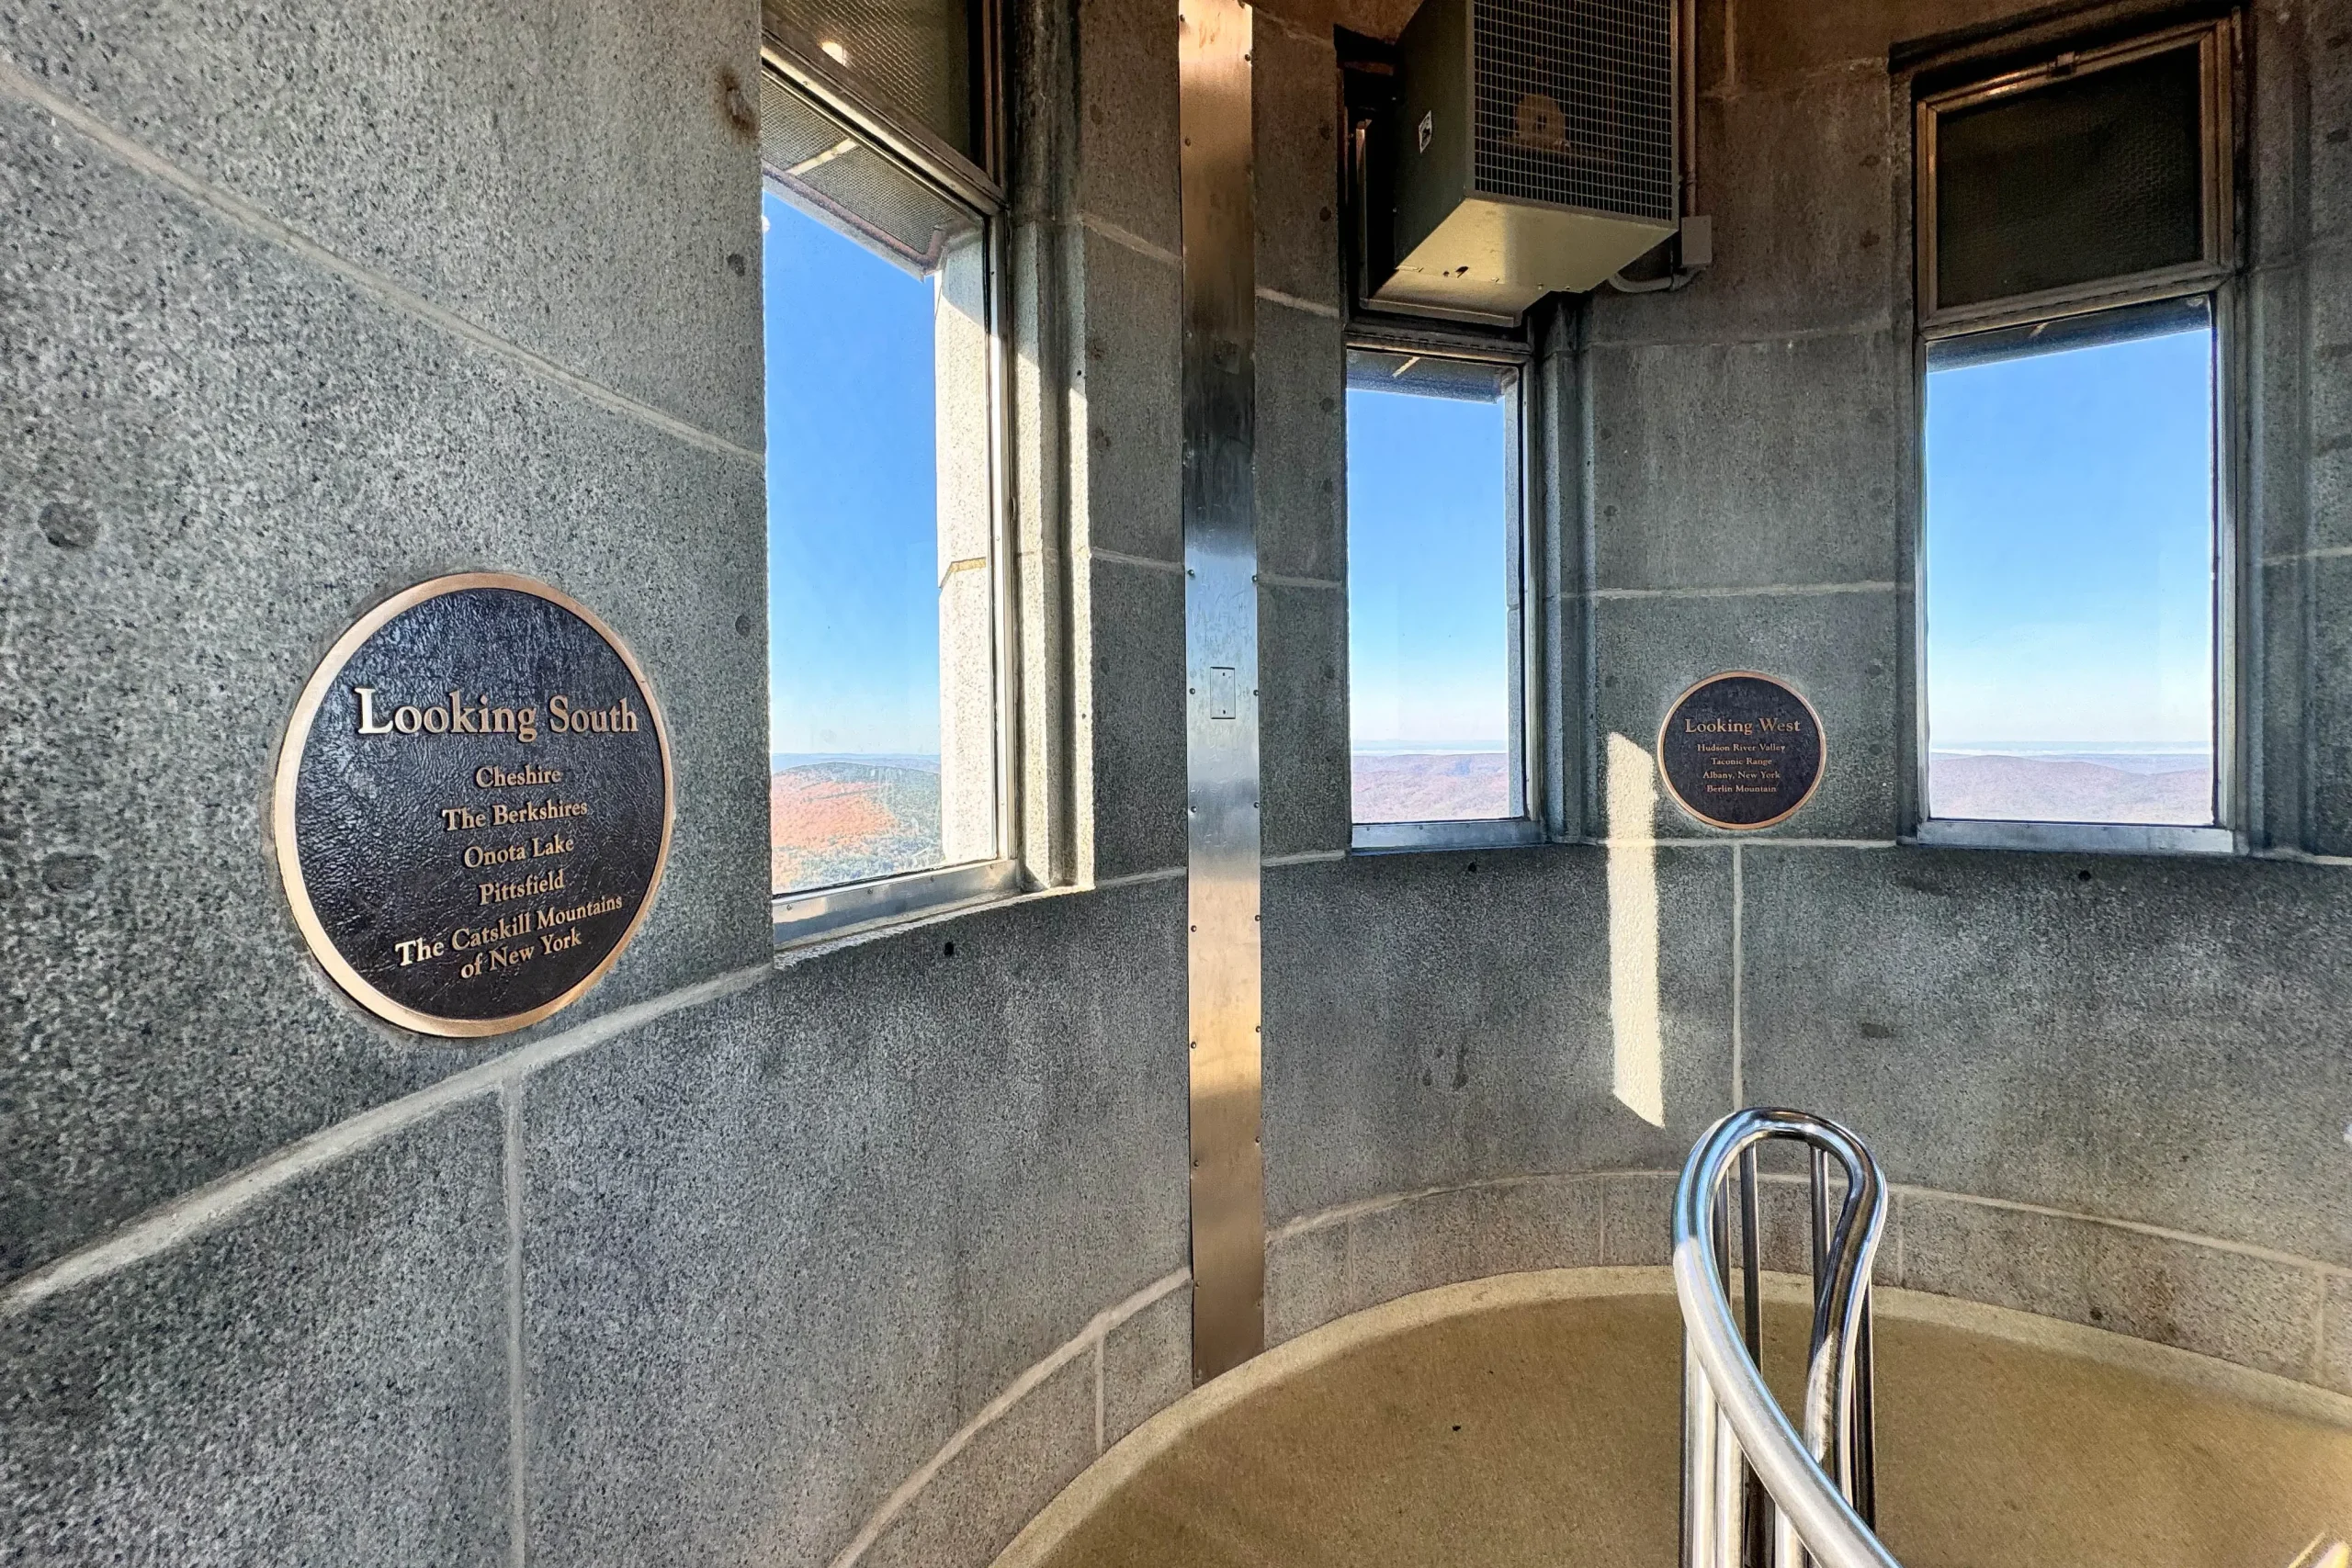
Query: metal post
[[1756, 1504], [1700, 1548], [1222, 835]]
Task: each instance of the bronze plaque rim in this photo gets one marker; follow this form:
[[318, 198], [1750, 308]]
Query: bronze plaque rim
[[296, 740], [1658, 749]]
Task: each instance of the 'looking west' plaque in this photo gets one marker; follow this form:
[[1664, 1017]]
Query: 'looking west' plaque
[[473, 804], [1740, 750]]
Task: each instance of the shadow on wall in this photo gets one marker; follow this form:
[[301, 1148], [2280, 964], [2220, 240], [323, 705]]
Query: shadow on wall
[[1638, 1077]]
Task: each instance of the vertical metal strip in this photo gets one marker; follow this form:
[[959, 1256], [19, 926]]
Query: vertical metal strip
[[1219, 378]]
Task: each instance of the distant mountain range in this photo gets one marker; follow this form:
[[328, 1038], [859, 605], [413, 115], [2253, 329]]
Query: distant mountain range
[[2081, 787], [1430, 787], [838, 820], [835, 819]]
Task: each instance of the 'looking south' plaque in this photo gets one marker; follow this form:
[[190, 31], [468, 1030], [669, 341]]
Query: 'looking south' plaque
[[472, 807], [1740, 750]]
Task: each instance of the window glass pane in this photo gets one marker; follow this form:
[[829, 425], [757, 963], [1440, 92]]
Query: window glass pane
[[817, 164], [878, 545], [2070, 586], [910, 56], [2098, 175], [1429, 591]]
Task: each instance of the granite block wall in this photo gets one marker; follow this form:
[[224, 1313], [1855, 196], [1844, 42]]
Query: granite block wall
[[222, 449], [776, 1251], [727, 1262], [320, 1380], [2148, 1039], [2148, 1049], [865, 1257]]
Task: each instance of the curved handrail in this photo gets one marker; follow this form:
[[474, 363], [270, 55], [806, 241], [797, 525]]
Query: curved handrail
[[1816, 1513]]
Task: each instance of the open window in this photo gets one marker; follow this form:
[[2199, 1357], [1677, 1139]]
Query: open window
[[888, 784], [2076, 559], [1437, 593]]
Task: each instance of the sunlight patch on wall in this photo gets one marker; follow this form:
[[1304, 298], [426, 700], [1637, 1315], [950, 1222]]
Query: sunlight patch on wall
[[1639, 1047]]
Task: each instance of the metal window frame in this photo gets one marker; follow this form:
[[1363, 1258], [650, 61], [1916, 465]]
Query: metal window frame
[[1525, 826], [823, 913], [2078, 837], [2213, 279]]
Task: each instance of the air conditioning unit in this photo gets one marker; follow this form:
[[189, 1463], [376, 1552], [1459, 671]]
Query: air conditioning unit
[[1533, 151]]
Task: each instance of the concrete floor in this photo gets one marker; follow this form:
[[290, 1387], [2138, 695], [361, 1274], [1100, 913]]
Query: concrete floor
[[1532, 1421]]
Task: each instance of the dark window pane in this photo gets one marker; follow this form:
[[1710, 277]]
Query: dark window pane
[[2094, 176], [913, 57]]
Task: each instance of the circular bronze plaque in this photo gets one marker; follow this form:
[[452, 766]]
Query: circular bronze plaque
[[473, 804], [1740, 750]]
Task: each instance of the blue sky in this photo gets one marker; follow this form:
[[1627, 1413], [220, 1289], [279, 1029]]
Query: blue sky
[[2069, 552], [1427, 628], [2069, 548], [852, 608], [852, 511]]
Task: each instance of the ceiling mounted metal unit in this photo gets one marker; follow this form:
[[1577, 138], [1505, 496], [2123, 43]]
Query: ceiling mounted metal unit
[[1534, 151]]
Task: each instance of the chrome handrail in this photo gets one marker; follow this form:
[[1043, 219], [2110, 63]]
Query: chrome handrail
[[1820, 1485]]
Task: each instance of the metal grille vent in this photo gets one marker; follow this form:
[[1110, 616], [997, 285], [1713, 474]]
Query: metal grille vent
[[818, 165], [1576, 103]]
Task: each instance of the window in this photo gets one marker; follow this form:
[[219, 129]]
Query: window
[[2070, 569], [1436, 576], [886, 775], [2075, 562]]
